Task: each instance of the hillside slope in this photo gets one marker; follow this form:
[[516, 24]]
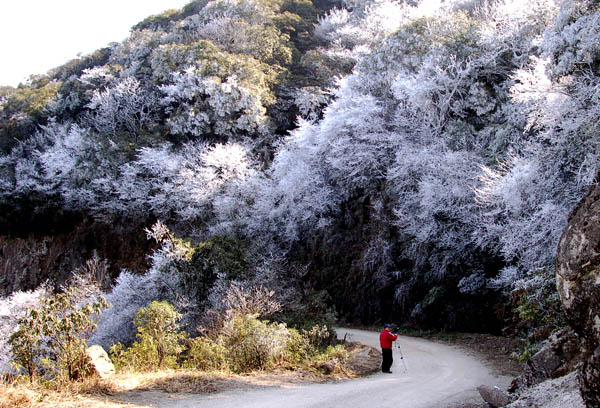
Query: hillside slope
[[378, 160]]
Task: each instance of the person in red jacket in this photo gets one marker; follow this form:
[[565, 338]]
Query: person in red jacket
[[386, 337]]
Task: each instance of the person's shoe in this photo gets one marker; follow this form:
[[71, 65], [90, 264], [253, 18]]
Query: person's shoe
[[387, 372]]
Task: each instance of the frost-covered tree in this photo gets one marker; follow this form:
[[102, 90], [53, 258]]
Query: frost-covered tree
[[129, 294], [134, 52], [209, 106], [529, 195], [204, 174], [49, 164], [297, 197], [241, 27], [65, 159], [125, 106], [310, 102], [145, 184], [353, 33], [12, 308], [434, 203]]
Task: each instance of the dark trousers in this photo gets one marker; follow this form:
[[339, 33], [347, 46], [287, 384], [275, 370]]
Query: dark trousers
[[387, 359]]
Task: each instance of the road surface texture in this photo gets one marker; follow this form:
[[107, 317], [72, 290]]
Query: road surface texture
[[437, 376]]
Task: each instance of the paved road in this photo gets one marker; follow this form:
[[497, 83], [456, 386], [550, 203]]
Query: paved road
[[437, 376]]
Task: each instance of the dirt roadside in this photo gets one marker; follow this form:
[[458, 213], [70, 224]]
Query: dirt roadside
[[126, 390], [130, 390]]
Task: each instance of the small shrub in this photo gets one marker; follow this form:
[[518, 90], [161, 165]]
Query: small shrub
[[13, 308], [333, 359], [537, 311], [158, 344], [252, 344], [26, 343], [528, 350], [158, 323], [205, 354], [298, 349], [54, 336], [303, 345], [337, 353], [140, 357], [319, 336]]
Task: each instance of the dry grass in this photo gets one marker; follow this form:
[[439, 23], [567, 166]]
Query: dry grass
[[123, 389], [116, 392], [11, 397], [22, 393], [172, 381]]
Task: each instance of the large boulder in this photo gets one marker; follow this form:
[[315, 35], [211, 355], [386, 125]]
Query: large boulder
[[99, 361], [578, 284]]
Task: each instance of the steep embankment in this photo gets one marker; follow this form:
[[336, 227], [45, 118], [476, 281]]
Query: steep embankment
[[53, 249]]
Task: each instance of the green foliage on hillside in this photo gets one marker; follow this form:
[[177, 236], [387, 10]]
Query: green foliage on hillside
[[51, 339], [25, 108], [158, 340], [244, 343]]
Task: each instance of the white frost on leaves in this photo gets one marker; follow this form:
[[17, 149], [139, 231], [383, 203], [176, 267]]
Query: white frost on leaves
[[12, 308]]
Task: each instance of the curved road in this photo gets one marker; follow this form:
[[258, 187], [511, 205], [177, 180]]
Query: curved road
[[437, 376]]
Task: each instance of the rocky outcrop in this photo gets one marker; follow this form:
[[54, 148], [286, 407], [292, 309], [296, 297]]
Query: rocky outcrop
[[558, 356], [578, 283], [560, 392], [29, 258]]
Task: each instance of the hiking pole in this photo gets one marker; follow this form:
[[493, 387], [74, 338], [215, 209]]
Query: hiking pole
[[401, 356]]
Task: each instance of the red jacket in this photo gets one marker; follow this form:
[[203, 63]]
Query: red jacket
[[386, 338]]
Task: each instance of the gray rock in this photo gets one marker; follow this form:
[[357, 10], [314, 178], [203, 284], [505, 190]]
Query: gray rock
[[327, 367], [578, 283], [562, 392], [558, 356], [494, 396]]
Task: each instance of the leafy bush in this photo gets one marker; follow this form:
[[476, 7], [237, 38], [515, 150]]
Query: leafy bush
[[205, 354], [26, 343], [538, 307], [252, 344], [52, 337], [159, 340], [333, 352], [158, 322], [142, 356], [319, 336], [12, 309], [298, 349], [306, 345]]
